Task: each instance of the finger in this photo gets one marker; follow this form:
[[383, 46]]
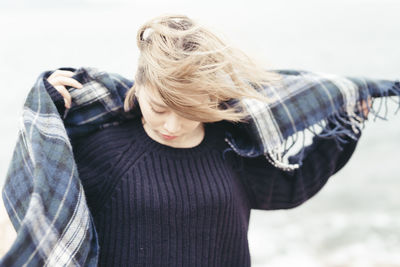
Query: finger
[[67, 105], [365, 108], [63, 73], [59, 73], [62, 80], [58, 77], [65, 94]]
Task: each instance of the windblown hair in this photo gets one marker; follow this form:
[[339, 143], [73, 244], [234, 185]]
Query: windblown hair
[[181, 59]]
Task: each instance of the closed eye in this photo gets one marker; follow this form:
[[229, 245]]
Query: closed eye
[[158, 112]]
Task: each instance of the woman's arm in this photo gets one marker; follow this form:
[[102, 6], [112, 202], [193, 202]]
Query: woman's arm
[[271, 188], [98, 104]]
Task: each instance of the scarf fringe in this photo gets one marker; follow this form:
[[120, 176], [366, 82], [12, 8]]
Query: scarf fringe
[[344, 124]]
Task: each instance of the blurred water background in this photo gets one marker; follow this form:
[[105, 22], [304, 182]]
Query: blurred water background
[[355, 219]]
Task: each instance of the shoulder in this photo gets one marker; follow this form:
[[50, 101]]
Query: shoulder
[[105, 145]]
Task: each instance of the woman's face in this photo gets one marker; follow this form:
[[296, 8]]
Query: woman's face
[[162, 123]]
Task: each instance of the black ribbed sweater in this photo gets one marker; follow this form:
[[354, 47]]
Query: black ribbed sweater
[[155, 205]]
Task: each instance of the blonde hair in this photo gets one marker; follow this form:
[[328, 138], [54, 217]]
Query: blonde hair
[[180, 59]]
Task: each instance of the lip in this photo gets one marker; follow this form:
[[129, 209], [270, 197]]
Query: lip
[[168, 137]]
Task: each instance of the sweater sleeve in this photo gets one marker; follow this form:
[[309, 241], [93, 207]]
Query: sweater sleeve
[[272, 188]]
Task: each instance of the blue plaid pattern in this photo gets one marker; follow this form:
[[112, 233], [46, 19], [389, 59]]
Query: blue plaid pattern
[[304, 101], [43, 194]]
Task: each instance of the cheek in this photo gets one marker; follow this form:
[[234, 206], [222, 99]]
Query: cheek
[[192, 125], [150, 118]]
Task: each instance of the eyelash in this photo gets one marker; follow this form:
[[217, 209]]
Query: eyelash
[[158, 112]]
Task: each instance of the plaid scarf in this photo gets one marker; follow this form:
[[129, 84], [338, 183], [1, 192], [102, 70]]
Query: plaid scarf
[[306, 101], [43, 194]]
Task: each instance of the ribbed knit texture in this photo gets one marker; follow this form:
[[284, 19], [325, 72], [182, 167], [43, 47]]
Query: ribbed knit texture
[[155, 205]]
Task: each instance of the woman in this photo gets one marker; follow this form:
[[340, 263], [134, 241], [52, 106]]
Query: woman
[[160, 188]]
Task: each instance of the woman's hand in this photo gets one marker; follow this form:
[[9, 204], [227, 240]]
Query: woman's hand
[[61, 78]]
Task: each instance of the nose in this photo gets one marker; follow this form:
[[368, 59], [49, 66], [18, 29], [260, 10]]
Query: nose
[[172, 124]]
